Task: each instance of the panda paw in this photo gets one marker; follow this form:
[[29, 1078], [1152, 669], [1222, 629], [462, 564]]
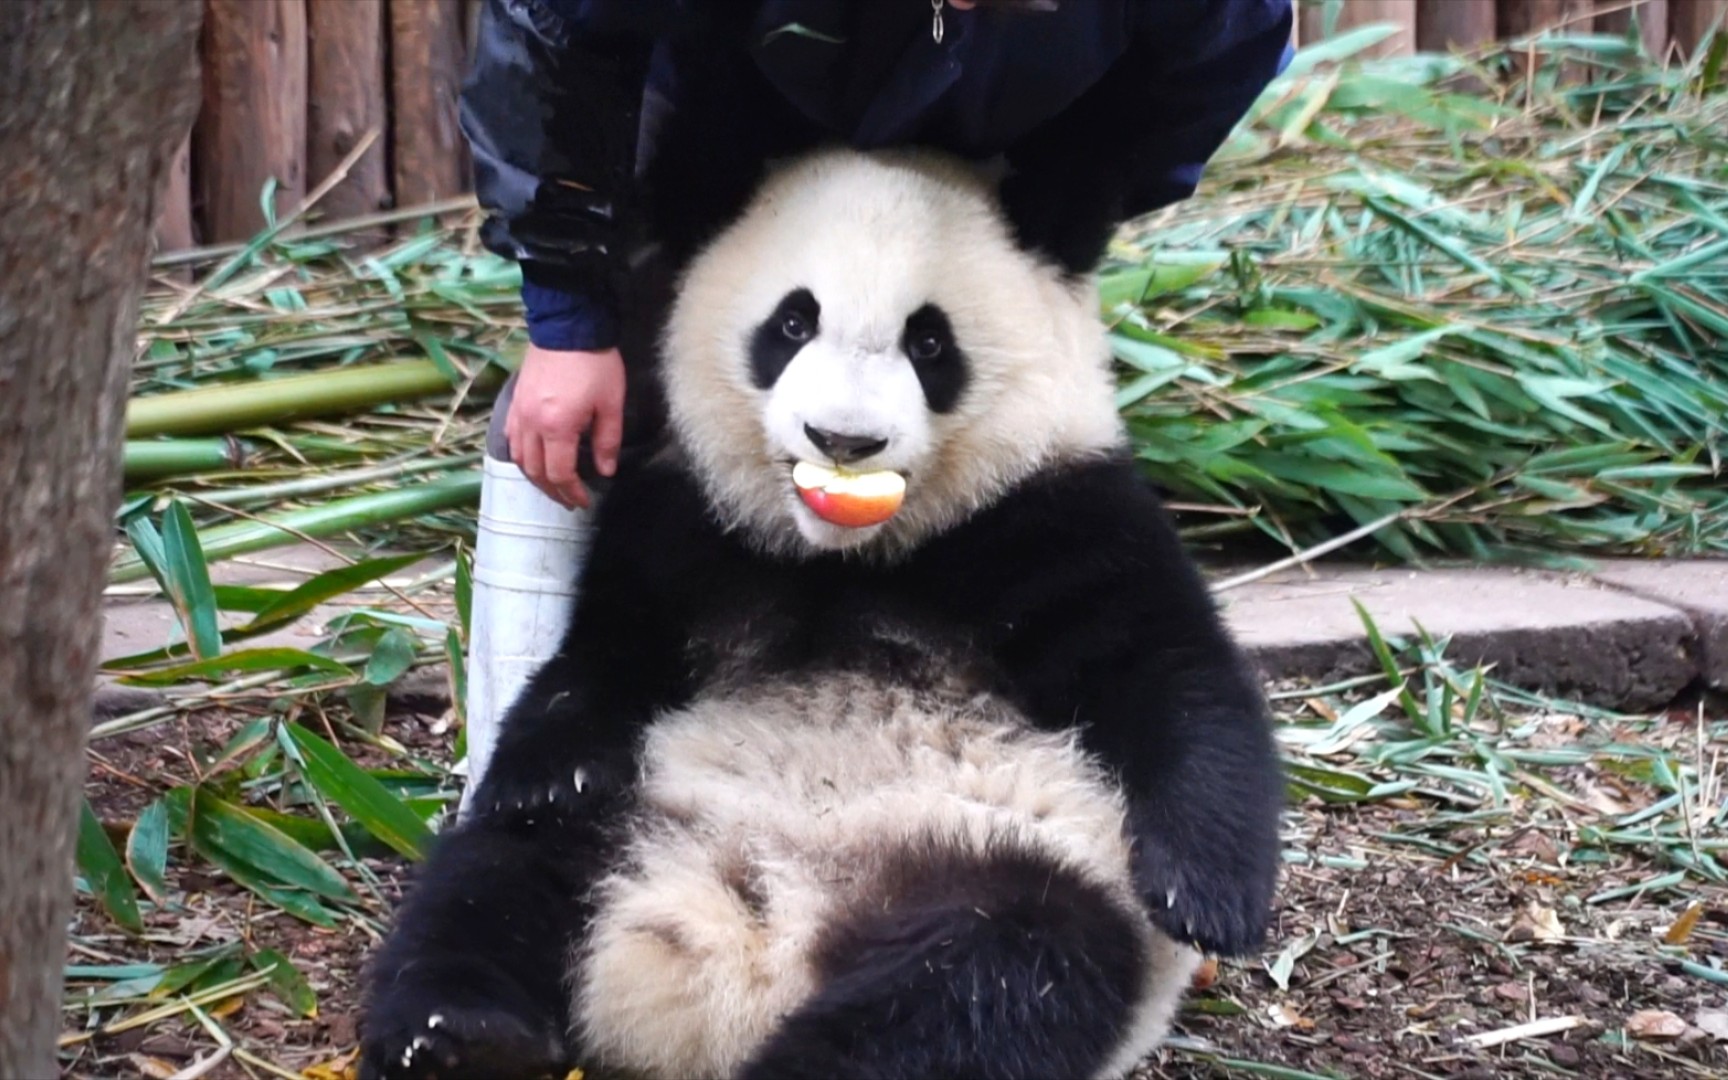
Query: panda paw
[[529, 792], [1211, 905], [472, 1041]]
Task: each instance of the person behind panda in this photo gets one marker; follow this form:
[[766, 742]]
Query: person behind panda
[[601, 126]]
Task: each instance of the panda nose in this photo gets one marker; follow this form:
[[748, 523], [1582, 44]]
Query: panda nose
[[844, 449]]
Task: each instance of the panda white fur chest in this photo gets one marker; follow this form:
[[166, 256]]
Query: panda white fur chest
[[964, 792]]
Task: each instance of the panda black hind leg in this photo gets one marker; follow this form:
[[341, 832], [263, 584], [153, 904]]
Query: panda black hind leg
[[1003, 964]]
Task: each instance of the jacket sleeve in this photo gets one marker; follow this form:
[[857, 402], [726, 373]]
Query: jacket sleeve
[[551, 107], [1141, 138]]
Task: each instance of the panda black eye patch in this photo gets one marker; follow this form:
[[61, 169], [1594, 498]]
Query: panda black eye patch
[[793, 323], [928, 341]]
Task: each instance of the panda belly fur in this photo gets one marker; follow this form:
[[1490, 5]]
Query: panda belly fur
[[775, 819]]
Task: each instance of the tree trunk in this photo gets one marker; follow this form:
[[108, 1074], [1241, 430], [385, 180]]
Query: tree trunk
[[253, 125], [346, 101], [1652, 24], [426, 51], [99, 94], [1445, 24]]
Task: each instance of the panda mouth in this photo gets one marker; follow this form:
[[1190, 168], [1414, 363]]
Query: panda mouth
[[853, 500]]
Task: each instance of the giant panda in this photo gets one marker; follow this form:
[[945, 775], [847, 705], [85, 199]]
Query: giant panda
[[893, 734]]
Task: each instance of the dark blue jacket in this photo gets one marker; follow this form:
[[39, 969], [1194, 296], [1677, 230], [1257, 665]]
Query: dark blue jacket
[[600, 124]]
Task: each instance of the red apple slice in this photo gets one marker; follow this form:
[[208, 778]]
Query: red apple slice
[[850, 500]]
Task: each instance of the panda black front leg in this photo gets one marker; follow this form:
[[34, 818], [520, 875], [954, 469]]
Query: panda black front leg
[[471, 983]]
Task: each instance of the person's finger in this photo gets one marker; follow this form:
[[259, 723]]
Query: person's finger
[[608, 434], [533, 466], [561, 472]]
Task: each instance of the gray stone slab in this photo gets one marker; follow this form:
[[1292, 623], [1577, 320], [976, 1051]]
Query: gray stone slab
[[1699, 587], [1570, 638]]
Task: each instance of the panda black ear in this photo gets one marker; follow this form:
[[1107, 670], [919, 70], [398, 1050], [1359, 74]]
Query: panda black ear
[[1051, 220]]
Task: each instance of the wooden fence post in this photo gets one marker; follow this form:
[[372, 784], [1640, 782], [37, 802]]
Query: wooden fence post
[[1362, 12], [1446, 24], [1690, 20], [1652, 24], [429, 157], [347, 100], [253, 123], [1518, 18], [174, 230]]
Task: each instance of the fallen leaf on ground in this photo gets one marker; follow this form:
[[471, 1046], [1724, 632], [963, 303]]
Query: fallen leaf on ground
[[1536, 923], [1283, 1016], [1683, 926], [1655, 1024]]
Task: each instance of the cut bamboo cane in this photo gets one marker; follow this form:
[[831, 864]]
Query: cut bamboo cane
[[153, 459], [239, 406], [318, 522]]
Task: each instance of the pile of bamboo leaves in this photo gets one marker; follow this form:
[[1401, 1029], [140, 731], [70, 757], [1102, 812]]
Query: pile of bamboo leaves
[[1486, 296], [1487, 293]]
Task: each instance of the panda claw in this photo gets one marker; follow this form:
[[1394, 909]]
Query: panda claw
[[436, 1020], [1170, 897]]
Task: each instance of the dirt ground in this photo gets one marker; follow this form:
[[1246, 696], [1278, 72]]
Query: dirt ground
[[1414, 933]]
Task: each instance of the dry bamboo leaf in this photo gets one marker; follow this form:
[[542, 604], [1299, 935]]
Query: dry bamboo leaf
[[1681, 931], [1655, 1024], [1536, 923]]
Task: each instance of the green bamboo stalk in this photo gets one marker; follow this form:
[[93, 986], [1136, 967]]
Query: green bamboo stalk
[[157, 459], [152, 459], [332, 481], [254, 404], [325, 519]]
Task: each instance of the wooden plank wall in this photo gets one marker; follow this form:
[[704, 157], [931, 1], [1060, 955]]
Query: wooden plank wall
[[291, 87]]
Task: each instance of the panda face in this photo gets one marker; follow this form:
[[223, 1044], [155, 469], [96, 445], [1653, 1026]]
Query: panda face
[[869, 328], [846, 398]]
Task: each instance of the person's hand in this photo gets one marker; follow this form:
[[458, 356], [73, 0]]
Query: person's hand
[[560, 396]]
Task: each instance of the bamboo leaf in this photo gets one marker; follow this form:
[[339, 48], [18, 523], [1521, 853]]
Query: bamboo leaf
[[355, 791], [392, 656], [327, 586], [101, 866], [147, 852], [271, 659], [265, 852], [287, 982]]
